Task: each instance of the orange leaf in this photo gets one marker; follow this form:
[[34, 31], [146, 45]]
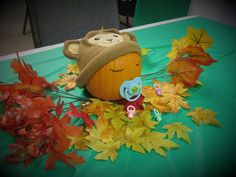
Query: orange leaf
[[184, 71], [28, 76], [196, 55]]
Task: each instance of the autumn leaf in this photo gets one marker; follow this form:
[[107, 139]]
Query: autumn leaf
[[144, 120], [155, 100], [177, 45], [196, 55], [102, 131], [179, 129], [144, 51], [198, 82], [73, 69], [184, 71], [69, 81], [96, 107], [75, 113], [206, 116], [28, 76], [155, 141], [199, 37], [171, 98], [59, 142], [117, 116], [107, 150], [77, 141], [134, 139]]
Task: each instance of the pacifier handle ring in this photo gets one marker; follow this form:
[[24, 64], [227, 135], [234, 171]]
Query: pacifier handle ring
[[132, 108]]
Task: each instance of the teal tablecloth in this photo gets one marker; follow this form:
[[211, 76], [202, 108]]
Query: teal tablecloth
[[212, 151]]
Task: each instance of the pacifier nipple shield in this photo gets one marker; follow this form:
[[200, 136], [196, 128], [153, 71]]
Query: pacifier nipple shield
[[131, 90]]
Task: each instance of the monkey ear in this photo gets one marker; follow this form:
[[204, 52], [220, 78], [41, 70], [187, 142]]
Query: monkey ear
[[128, 36], [71, 49]]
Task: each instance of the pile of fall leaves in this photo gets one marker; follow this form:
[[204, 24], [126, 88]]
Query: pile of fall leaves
[[41, 125]]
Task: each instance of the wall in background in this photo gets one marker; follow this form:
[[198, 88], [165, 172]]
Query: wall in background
[[223, 11]]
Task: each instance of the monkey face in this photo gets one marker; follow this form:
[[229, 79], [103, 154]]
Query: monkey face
[[106, 40]]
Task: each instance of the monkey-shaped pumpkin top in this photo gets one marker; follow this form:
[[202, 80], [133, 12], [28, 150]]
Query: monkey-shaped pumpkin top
[[97, 49]]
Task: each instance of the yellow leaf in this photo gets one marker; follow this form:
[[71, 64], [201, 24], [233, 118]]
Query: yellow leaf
[[144, 51], [205, 116], [144, 120], [69, 81], [102, 131], [156, 141], [179, 129], [198, 82], [199, 37], [134, 138], [117, 116], [171, 98], [151, 97], [97, 107], [77, 142], [73, 69], [177, 45], [107, 150]]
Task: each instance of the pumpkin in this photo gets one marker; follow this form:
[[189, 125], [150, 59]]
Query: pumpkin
[[105, 83]]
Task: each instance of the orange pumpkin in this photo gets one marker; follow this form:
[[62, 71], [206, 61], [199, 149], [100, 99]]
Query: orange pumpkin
[[105, 83]]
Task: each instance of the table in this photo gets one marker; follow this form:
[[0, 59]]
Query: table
[[212, 151]]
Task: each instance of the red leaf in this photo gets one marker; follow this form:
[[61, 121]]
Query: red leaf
[[196, 55], [59, 143], [184, 71], [28, 76], [138, 104], [75, 113], [59, 107]]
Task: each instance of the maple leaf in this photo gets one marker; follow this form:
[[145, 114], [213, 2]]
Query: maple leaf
[[96, 107], [75, 113], [134, 139], [155, 100], [59, 142], [28, 76], [175, 102], [144, 120], [206, 116], [171, 97], [69, 81], [73, 69], [117, 116], [177, 45], [184, 71], [179, 129], [144, 51], [196, 55], [59, 107], [102, 131], [155, 141], [107, 150], [77, 141], [199, 37]]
